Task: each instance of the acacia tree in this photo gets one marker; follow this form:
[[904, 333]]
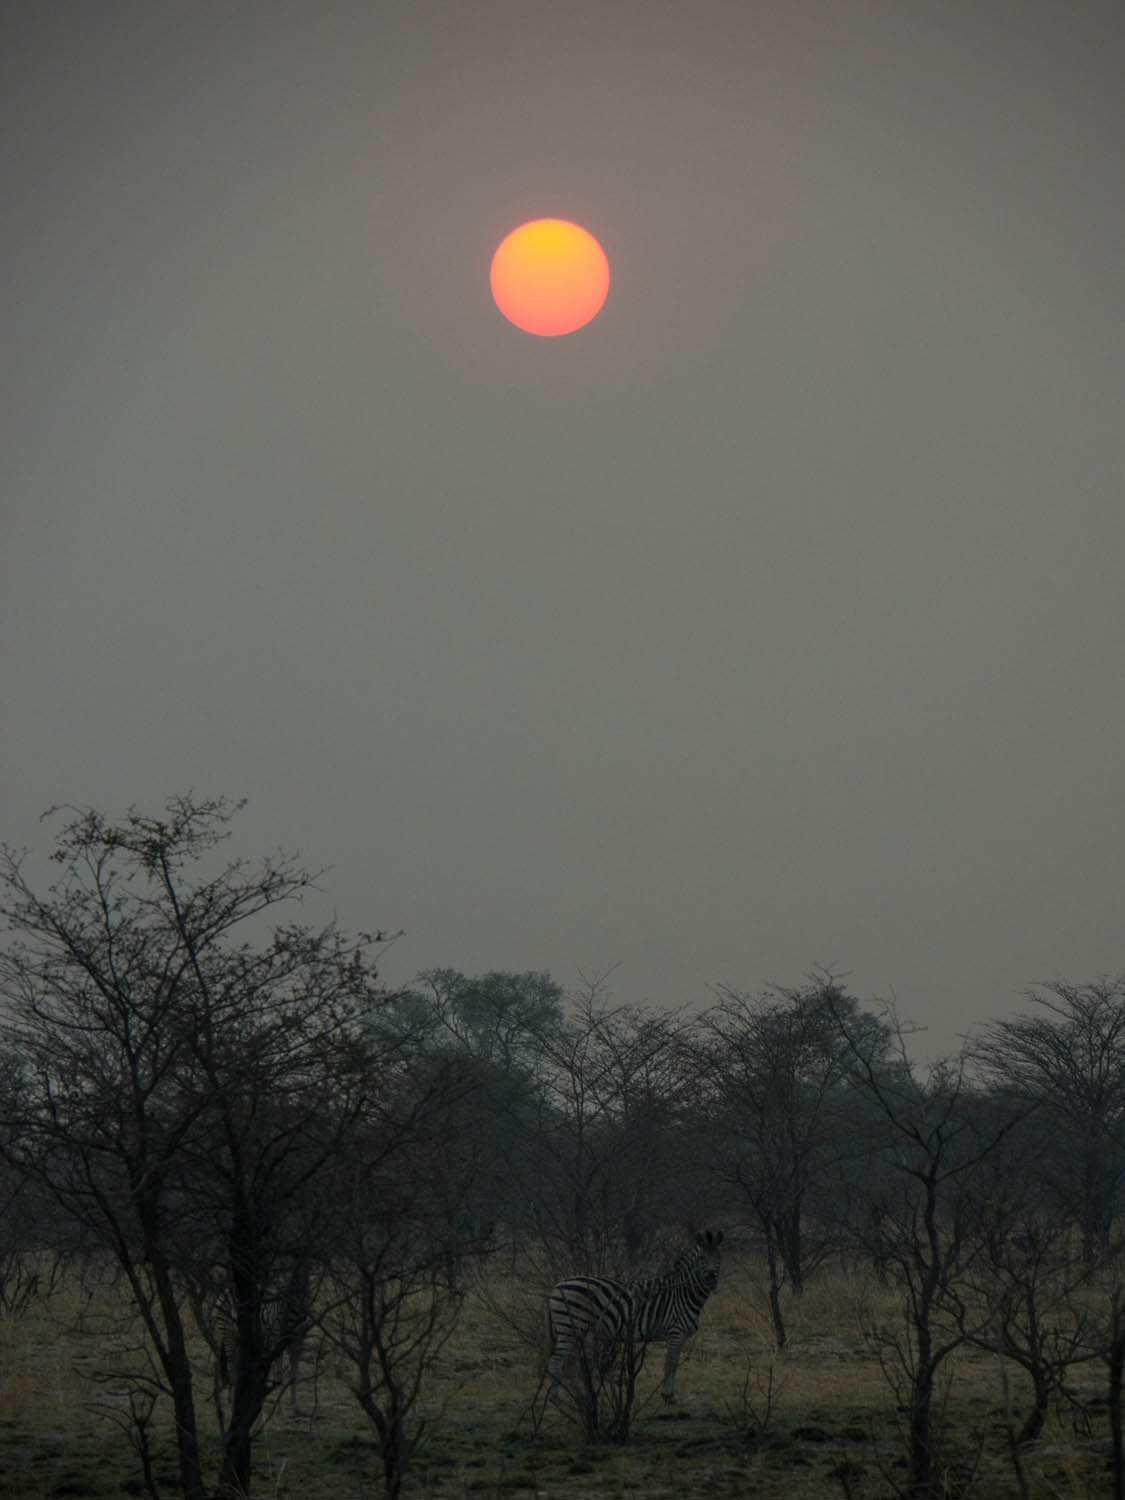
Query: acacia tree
[[778, 1090], [1036, 1293], [496, 1017], [1067, 1062], [34, 1244], [489, 1027], [936, 1133], [614, 1084], [403, 1239], [183, 1090]]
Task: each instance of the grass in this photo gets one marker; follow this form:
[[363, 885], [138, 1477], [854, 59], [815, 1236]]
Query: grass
[[813, 1422]]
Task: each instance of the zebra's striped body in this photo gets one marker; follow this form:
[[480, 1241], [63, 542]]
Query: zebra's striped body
[[664, 1308], [278, 1328]]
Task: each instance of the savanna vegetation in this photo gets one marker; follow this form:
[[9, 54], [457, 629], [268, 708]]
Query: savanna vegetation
[[268, 1227]]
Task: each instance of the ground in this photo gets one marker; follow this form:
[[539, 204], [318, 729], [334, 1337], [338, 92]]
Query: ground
[[818, 1420]]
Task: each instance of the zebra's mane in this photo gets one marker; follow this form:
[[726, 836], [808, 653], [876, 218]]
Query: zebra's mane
[[685, 1269]]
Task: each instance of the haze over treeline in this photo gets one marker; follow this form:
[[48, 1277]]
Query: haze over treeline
[[773, 619]]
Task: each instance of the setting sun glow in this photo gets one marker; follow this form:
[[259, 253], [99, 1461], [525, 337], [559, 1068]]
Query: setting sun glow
[[549, 277]]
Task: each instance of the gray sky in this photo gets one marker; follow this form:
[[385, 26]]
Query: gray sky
[[775, 618]]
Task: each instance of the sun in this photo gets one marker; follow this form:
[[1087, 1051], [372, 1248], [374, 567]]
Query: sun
[[549, 277]]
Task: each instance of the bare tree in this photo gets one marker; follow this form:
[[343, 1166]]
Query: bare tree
[[1023, 1277], [1068, 1061], [496, 1017], [935, 1137], [182, 1090], [34, 1243], [782, 1111], [614, 1083], [402, 1242], [492, 1025]]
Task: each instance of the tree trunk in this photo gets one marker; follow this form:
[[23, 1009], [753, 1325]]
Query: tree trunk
[[251, 1373], [921, 1457], [389, 1426], [789, 1239], [929, 1267], [250, 1387], [1116, 1370], [1033, 1426], [177, 1368], [187, 1437], [775, 1290]]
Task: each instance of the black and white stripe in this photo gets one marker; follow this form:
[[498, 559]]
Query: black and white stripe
[[664, 1308], [276, 1328]]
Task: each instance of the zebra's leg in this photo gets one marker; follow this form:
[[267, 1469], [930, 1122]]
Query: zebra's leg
[[548, 1387], [673, 1345], [553, 1372]]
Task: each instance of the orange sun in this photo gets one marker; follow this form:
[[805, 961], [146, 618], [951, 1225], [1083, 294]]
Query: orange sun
[[549, 277]]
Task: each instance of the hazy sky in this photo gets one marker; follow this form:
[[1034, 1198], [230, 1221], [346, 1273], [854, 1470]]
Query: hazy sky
[[776, 618]]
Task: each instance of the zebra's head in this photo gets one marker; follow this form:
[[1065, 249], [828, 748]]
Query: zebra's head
[[706, 1257]]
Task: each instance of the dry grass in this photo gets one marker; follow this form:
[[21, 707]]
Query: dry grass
[[816, 1421]]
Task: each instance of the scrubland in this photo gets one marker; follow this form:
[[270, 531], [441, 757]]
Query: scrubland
[[816, 1420]]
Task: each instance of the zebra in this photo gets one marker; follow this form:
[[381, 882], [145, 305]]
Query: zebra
[[663, 1308], [280, 1325]]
